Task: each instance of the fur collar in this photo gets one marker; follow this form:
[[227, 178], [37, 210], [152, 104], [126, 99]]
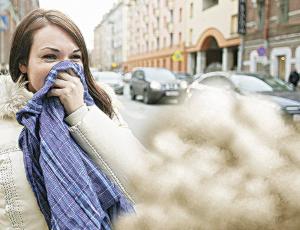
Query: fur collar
[[13, 96]]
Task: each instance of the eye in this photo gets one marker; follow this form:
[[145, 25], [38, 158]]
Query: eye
[[49, 57], [76, 57]]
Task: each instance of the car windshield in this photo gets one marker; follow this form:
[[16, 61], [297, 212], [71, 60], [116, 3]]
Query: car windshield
[[250, 83], [107, 76], [183, 75], [278, 85], [159, 75], [218, 81]]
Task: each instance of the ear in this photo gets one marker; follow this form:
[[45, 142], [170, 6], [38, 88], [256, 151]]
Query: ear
[[23, 68]]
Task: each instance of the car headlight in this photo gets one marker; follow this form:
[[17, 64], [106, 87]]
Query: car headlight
[[183, 84], [155, 85], [292, 108]]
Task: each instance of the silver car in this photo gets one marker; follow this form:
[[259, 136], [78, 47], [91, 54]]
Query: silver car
[[113, 79], [277, 90]]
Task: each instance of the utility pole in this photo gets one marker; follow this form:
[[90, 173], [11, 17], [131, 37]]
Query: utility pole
[[266, 32], [242, 31]]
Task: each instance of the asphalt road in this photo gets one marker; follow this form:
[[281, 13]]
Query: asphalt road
[[139, 115]]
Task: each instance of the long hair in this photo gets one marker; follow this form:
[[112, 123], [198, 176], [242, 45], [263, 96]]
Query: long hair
[[23, 38]]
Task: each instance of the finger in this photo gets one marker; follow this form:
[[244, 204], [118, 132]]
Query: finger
[[67, 77], [55, 92], [71, 72], [59, 83]]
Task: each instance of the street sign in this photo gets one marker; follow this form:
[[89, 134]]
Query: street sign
[[242, 17], [3, 22], [261, 51], [177, 56]]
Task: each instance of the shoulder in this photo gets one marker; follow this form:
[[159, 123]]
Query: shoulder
[[116, 104], [110, 92], [13, 96], [9, 134]]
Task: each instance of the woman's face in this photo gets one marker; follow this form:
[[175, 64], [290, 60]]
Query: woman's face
[[51, 44]]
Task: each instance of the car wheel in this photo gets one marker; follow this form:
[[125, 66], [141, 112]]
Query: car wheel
[[146, 98], [132, 94]]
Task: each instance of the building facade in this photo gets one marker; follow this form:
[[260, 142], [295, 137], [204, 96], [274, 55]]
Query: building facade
[[110, 39], [272, 41], [11, 12], [198, 33]]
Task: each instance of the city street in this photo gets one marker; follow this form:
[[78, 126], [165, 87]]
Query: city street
[[138, 115]]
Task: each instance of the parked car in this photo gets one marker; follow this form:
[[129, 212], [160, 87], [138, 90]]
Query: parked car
[[113, 79], [127, 77], [277, 90], [184, 77], [156, 83]]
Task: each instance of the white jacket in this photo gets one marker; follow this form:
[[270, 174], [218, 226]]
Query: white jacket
[[109, 142]]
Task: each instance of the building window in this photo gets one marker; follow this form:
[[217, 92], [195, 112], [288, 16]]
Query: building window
[[234, 24], [191, 36], [157, 43], [284, 11], [171, 39], [180, 15], [209, 3], [261, 14], [191, 10], [179, 37], [171, 16]]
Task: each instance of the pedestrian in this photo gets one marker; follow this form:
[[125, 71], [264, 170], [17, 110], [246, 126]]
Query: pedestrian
[[294, 78], [3, 69], [64, 147]]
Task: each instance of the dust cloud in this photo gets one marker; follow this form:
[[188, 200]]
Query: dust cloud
[[221, 161]]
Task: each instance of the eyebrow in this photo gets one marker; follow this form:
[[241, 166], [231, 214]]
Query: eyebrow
[[57, 50]]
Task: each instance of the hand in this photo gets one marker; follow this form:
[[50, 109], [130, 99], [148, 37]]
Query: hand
[[69, 89]]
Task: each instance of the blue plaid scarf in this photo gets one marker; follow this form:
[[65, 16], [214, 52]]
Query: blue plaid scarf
[[71, 191]]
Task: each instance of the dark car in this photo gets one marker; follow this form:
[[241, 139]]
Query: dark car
[[113, 79], [156, 83], [277, 90]]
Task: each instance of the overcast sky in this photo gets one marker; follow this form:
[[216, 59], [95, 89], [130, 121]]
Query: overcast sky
[[85, 13]]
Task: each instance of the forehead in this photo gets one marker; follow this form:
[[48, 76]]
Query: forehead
[[52, 35]]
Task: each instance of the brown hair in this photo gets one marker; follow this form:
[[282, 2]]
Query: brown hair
[[23, 38]]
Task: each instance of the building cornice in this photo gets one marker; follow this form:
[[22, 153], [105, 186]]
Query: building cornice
[[216, 34], [167, 52]]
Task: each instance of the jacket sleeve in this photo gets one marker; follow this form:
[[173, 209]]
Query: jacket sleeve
[[109, 142]]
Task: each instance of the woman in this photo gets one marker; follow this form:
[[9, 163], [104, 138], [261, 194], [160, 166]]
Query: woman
[[42, 40]]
